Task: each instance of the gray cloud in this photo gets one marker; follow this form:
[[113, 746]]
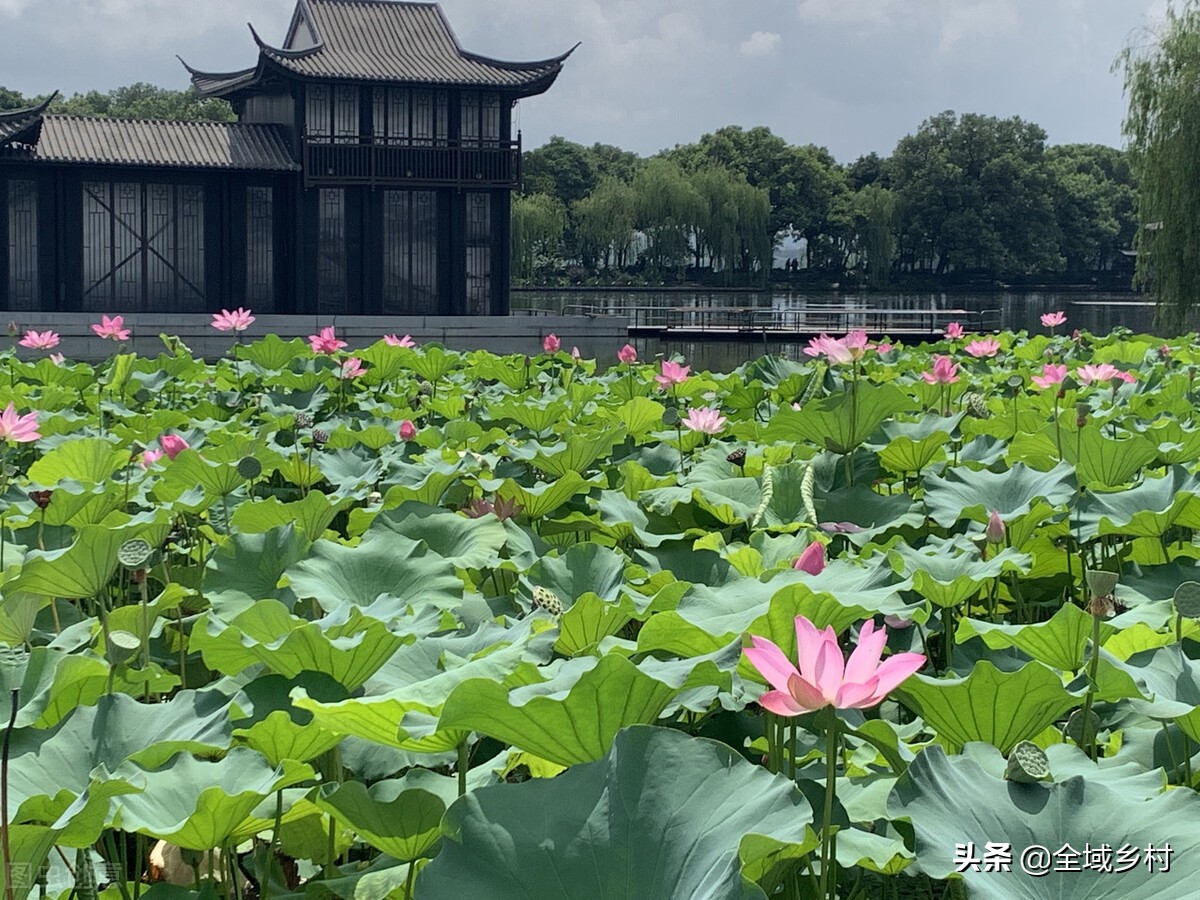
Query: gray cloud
[[853, 75]]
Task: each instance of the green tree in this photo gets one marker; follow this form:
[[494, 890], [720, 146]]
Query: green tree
[[604, 224], [1163, 128], [875, 228], [560, 168], [145, 101], [975, 194], [1095, 199], [538, 224], [668, 210], [731, 230], [10, 99]]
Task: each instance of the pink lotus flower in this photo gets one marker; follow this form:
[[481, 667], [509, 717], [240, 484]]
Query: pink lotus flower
[[824, 677], [39, 340], [1050, 320], [173, 445], [237, 320], [1094, 373], [983, 348], [883, 348], [856, 342], [351, 368], [112, 329], [672, 373], [1051, 375], [551, 343], [954, 331], [812, 560], [150, 457], [575, 354], [834, 350], [408, 430], [1127, 377], [325, 341], [944, 371], [57, 358], [704, 421], [995, 528], [627, 354], [395, 341], [18, 429]]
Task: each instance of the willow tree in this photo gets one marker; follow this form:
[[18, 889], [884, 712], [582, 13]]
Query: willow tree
[[1162, 79], [604, 222], [538, 223]]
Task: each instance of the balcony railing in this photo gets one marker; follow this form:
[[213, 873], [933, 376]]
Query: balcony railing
[[411, 161]]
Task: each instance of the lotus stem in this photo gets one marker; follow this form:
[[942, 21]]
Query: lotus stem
[[1089, 740], [463, 762], [410, 880], [828, 863], [4, 841]]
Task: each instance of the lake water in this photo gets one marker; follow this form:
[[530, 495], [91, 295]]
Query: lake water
[[1095, 312]]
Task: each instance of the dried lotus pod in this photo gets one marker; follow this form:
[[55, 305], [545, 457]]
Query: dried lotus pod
[[547, 600]]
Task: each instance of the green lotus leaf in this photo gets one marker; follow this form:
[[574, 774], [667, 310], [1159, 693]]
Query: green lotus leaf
[[467, 543], [641, 416], [586, 623], [250, 567], [953, 801], [190, 468], [538, 502], [344, 644], [578, 452], [583, 568], [28, 848], [277, 729], [828, 422], [570, 719], [1102, 461], [310, 515], [88, 461], [405, 824], [964, 494], [1173, 681], [198, 804], [947, 573], [393, 566], [1059, 642], [599, 827], [998, 708], [1147, 509]]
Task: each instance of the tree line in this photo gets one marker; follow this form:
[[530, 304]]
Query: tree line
[[967, 199]]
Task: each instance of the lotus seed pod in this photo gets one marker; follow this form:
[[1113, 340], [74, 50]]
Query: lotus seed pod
[[977, 407], [737, 457], [1102, 584], [249, 468], [135, 553], [1074, 728], [547, 600], [1187, 599], [1027, 764]]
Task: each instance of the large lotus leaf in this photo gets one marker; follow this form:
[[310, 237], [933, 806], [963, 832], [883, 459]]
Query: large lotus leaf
[[584, 568], [948, 572], [537, 416], [27, 848], [425, 483], [1059, 642], [577, 452], [999, 708], [640, 416], [965, 494], [404, 698], [841, 422], [277, 729], [89, 461], [868, 509], [393, 566], [662, 816], [586, 623], [543, 499], [1131, 780], [468, 543], [310, 515], [189, 468], [1173, 680], [622, 518], [954, 801], [405, 824], [345, 644], [198, 804], [249, 567], [570, 719], [1145, 510], [1104, 461], [80, 571]]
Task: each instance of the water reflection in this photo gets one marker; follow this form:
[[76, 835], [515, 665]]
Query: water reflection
[[1095, 312]]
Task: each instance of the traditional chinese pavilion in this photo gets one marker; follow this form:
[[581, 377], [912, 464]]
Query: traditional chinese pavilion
[[369, 172]]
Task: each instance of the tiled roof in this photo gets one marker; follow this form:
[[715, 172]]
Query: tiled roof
[[387, 40], [16, 122], [144, 142]]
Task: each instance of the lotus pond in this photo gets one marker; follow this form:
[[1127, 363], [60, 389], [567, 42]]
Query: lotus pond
[[420, 623]]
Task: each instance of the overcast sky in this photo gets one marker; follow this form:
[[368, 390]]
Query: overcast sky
[[852, 75]]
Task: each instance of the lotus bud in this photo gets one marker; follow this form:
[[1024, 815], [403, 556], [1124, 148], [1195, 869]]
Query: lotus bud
[[995, 530], [1082, 411], [13, 329], [41, 498], [408, 430], [812, 560]]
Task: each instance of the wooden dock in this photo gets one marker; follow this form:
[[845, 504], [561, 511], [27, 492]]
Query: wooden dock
[[741, 323]]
